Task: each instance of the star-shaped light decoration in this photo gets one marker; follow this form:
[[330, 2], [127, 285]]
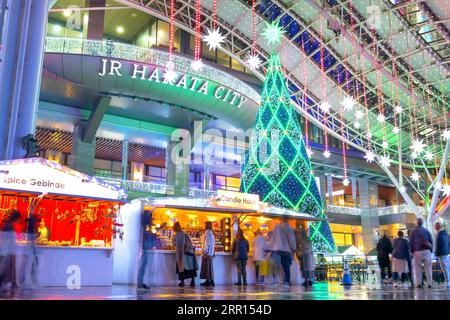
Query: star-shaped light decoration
[[446, 189], [357, 125], [428, 156], [325, 106], [415, 176], [414, 155], [359, 114], [385, 144], [398, 109], [327, 154], [253, 61], [370, 156], [170, 76], [381, 118], [345, 182], [446, 134], [396, 130], [214, 39], [369, 135], [348, 103], [309, 152], [417, 146], [402, 189], [385, 162], [273, 33], [197, 65]]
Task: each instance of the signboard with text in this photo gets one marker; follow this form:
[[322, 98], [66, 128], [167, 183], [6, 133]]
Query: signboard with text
[[231, 199]]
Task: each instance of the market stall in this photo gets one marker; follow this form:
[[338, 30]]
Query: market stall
[[76, 219], [227, 212]]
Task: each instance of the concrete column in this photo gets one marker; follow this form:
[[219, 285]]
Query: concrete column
[[354, 187], [177, 174], [83, 153], [25, 26], [368, 195], [96, 24], [124, 159], [322, 190], [330, 189]]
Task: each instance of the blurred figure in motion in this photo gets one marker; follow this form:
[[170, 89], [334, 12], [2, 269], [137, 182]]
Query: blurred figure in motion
[[384, 249], [147, 244], [208, 251], [258, 256], [240, 251], [186, 263], [305, 255], [442, 251], [8, 251], [421, 246]]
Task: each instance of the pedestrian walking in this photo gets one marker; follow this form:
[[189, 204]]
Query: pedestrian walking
[[283, 243], [442, 251], [8, 251], [305, 255], [148, 243], [186, 263], [400, 255], [409, 260], [384, 249], [259, 253], [240, 255], [208, 249], [421, 246]]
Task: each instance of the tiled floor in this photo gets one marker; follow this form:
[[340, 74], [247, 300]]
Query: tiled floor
[[320, 291]]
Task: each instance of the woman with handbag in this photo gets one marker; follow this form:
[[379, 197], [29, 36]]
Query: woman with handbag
[[185, 256]]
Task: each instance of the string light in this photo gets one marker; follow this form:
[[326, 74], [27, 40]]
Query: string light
[[324, 106], [197, 64]]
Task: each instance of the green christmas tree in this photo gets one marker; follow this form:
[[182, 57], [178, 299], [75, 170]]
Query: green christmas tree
[[277, 165]]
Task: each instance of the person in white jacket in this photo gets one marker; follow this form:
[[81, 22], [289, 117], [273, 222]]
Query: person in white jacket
[[208, 245], [259, 246], [283, 243]]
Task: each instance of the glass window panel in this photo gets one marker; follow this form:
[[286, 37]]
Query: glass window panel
[[163, 34], [339, 239], [233, 182], [154, 171], [220, 180], [348, 239], [236, 65], [206, 54], [223, 59]]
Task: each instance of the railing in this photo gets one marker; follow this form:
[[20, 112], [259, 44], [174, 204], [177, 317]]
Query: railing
[[148, 56], [137, 186], [402, 208], [343, 210]]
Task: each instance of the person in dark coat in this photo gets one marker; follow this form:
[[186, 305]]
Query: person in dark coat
[[186, 263], [384, 249], [8, 251], [442, 251], [399, 258], [409, 259], [148, 243], [421, 247], [240, 254]]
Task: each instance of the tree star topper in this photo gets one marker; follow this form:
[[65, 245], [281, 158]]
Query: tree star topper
[[273, 33]]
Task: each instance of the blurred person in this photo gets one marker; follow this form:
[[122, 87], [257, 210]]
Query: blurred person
[[240, 255], [384, 249], [186, 263], [442, 251], [208, 250], [305, 255], [283, 243], [8, 251], [400, 255], [148, 243], [259, 245], [409, 260], [421, 246]]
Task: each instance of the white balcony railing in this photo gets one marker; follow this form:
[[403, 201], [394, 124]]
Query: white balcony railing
[[343, 210], [402, 208]]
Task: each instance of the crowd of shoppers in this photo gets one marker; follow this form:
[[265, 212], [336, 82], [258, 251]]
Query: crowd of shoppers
[[413, 258]]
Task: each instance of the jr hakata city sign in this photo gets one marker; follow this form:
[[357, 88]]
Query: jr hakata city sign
[[185, 81]]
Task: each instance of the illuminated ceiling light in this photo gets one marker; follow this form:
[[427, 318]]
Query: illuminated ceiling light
[[402, 189], [348, 103], [446, 189], [359, 114], [325, 106], [197, 65], [446, 134], [170, 76], [385, 162], [309, 152], [417, 146], [428, 156], [254, 62], [327, 154], [214, 39], [346, 182], [396, 130], [67, 13], [398, 109], [57, 28], [385, 144], [120, 29], [370, 156], [273, 33], [381, 118], [415, 176]]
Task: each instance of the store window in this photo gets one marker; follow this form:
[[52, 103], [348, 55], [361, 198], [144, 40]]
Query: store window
[[195, 180], [226, 183], [155, 174], [107, 168], [162, 36]]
